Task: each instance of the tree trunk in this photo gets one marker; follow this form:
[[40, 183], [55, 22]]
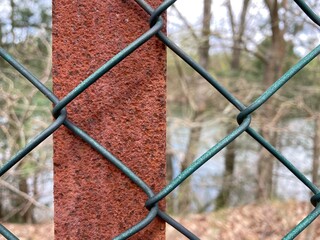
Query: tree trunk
[[169, 177], [272, 71], [227, 182], [230, 153], [185, 190], [1, 205], [316, 150], [204, 45], [265, 168], [26, 217], [238, 34], [13, 23], [310, 232], [1, 34]]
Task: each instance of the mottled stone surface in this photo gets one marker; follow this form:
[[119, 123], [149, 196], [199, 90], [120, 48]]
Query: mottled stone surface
[[124, 111]]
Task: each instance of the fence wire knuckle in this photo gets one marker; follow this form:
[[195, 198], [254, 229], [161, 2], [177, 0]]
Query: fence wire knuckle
[[244, 118]]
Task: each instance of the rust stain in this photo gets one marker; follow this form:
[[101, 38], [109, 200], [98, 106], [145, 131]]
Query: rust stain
[[124, 111]]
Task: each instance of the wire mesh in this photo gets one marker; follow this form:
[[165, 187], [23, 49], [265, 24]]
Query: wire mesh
[[244, 119]]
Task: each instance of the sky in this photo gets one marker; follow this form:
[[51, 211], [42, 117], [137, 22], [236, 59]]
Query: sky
[[192, 11], [5, 6], [193, 8], [5, 11]]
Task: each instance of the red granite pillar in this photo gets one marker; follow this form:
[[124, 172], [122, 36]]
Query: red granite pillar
[[124, 111]]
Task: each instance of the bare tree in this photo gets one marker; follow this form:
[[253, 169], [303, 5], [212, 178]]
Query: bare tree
[[238, 31], [23, 114], [273, 68], [196, 106]]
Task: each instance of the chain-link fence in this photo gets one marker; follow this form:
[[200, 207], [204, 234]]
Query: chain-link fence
[[244, 119]]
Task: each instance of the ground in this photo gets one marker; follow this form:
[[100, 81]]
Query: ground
[[250, 222], [31, 231], [269, 221]]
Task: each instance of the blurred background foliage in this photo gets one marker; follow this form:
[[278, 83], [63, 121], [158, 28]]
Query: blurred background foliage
[[25, 32], [245, 45]]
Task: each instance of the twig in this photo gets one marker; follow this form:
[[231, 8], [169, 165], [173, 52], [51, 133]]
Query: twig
[[24, 195]]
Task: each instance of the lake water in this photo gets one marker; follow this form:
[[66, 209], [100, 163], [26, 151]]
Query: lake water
[[296, 145]]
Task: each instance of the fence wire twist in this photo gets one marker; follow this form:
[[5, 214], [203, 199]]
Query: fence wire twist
[[244, 119]]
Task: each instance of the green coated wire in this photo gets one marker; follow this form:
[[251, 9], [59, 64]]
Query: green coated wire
[[111, 158], [193, 63], [45, 133], [240, 106], [155, 16], [279, 83], [29, 76], [199, 162], [107, 66], [54, 126], [33, 143], [283, 160], [7, 234], [303, 224], [310, 13]]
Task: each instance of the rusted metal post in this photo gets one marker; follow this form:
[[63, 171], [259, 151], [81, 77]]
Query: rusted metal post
[[124, 111]]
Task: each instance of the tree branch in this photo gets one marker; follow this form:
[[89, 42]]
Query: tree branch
[[22, 194]]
